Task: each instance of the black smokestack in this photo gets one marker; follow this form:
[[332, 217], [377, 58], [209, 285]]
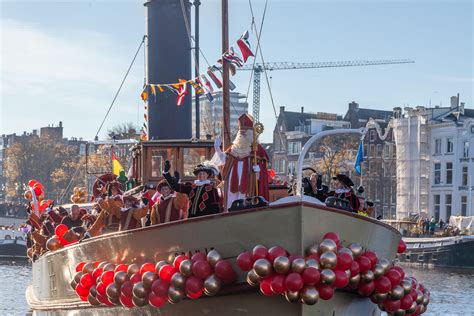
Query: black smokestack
[[168, 59]]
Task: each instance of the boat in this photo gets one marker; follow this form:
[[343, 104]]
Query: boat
[[434, 251], [12, 244], [295, 223]]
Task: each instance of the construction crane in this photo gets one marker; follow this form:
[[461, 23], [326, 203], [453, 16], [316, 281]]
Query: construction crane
[[259, 68]]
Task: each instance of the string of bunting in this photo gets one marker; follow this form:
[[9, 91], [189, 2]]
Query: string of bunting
[[205, 83]]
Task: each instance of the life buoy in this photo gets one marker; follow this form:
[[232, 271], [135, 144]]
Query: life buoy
[[8, 237]]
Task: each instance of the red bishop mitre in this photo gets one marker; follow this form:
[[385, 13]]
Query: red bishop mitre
[[245, 121]]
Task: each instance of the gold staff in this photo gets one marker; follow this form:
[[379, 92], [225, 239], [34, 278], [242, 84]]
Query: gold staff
[[257, 130]]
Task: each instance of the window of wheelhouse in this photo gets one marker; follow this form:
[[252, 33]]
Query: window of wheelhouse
[[191, 158], [158, 158]]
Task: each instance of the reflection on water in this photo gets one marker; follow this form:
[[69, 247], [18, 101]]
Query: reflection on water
[[452, 291]]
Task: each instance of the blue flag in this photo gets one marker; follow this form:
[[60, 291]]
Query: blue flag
[[359, 159]]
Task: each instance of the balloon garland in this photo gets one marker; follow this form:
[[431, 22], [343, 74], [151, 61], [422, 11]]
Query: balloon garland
[[37, 202], [133, 285], [328, 266]]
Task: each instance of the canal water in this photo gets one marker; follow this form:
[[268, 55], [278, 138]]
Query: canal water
[[452, 291]]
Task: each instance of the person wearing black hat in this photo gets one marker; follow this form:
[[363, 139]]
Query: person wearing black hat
[[343, 190], [203, 196]]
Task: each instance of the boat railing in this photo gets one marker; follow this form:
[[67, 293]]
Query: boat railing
[[307, 146]]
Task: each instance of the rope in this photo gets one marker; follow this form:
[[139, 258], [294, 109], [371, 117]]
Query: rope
[[120, 87]]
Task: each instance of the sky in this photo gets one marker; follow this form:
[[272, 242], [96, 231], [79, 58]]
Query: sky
[[64, 60]]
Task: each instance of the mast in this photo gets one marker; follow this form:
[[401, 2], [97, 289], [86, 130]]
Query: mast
[[225, 77], [196, 60]]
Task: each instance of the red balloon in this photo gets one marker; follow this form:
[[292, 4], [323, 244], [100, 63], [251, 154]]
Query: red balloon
[[167, 271], [101, 288], [372, 257], [294, 256], [84, 298], [97, 273], [104, 300], [314, 256], [333, 236], [311, 276], [383, 285], [196, 295], [364, 264], [421, 287], [354, 268], [406, 302], [259, 252], [160, 288], [245, 261], [266, 287], [193, 285], [126, 301], [342, 280], [344, 261], [135, 278], [87, 280], [127, 289], [38, 189], [79, 265], [413, 294], [199, 256], [276, 251], [147, 267], [401, 246], [121, 267], [107, 277], [277, 284], [401, 271], [82, 291], [326, 292], [225, 272], [32, 183], [294, 282], [201, 269], [60, 230], [177, 261], [366, 289], [391, 305], [394, 277], [157, 301]]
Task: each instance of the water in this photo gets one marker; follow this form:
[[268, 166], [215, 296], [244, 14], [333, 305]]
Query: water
[[452, 291]]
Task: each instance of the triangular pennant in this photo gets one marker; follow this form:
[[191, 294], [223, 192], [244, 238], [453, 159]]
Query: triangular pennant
[[182, 91], [210, 72], [231, 57], [244, 46]]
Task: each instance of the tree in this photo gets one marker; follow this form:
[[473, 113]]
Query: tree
[[126, 130]]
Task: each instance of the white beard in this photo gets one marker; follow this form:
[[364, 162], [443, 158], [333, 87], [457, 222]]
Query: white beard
[[242, 145]]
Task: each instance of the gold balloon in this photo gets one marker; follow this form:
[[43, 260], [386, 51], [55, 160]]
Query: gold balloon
[[379, 297], [88, 268], [348, 273], [356, 249], [298, 265], [419, 298], [41, 197], [355, 280], [120, 277], [132, 269], [27, 195], [312, 250], [112, 291], [327, 245], [423, 309], [252, 278], [73, 284], [412, 308], [309, 295], [139, 301], [367, 276], [328, 260], [93, 290], [399, 312], [139, 290], [327, 276], [346, 250], [312, 263], [213, 257], [75, 190], [92, 300], [292, 297], [281, 264], [386, 265], [175, 295], [426, 299], [396, 293], [77, 277], [263, 268], [185, 268], [109, 267], [212, 284], [378, 271], [406, 285], [53, 244], [178, 280], [102, 264], [148, 278]]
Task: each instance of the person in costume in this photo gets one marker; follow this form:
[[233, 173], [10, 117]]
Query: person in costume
[[343, 190], [170, 206], [203, 197], [240, 171]]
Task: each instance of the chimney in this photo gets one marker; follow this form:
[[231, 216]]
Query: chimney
[[282, 109], [60, 124], [454, 102], [302, 109], [353, 106]]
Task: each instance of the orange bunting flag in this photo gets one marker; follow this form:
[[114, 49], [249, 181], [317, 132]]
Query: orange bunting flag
[[152, 88], [144, 95], [160, 88]]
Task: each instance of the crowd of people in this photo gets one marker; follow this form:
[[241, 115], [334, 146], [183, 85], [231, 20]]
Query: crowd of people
[[13, 210]]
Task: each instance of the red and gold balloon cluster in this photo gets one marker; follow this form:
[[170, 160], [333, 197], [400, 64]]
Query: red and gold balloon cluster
[[79, 195], [328, 266], [155, 284], [58, 240], [37, 188]]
